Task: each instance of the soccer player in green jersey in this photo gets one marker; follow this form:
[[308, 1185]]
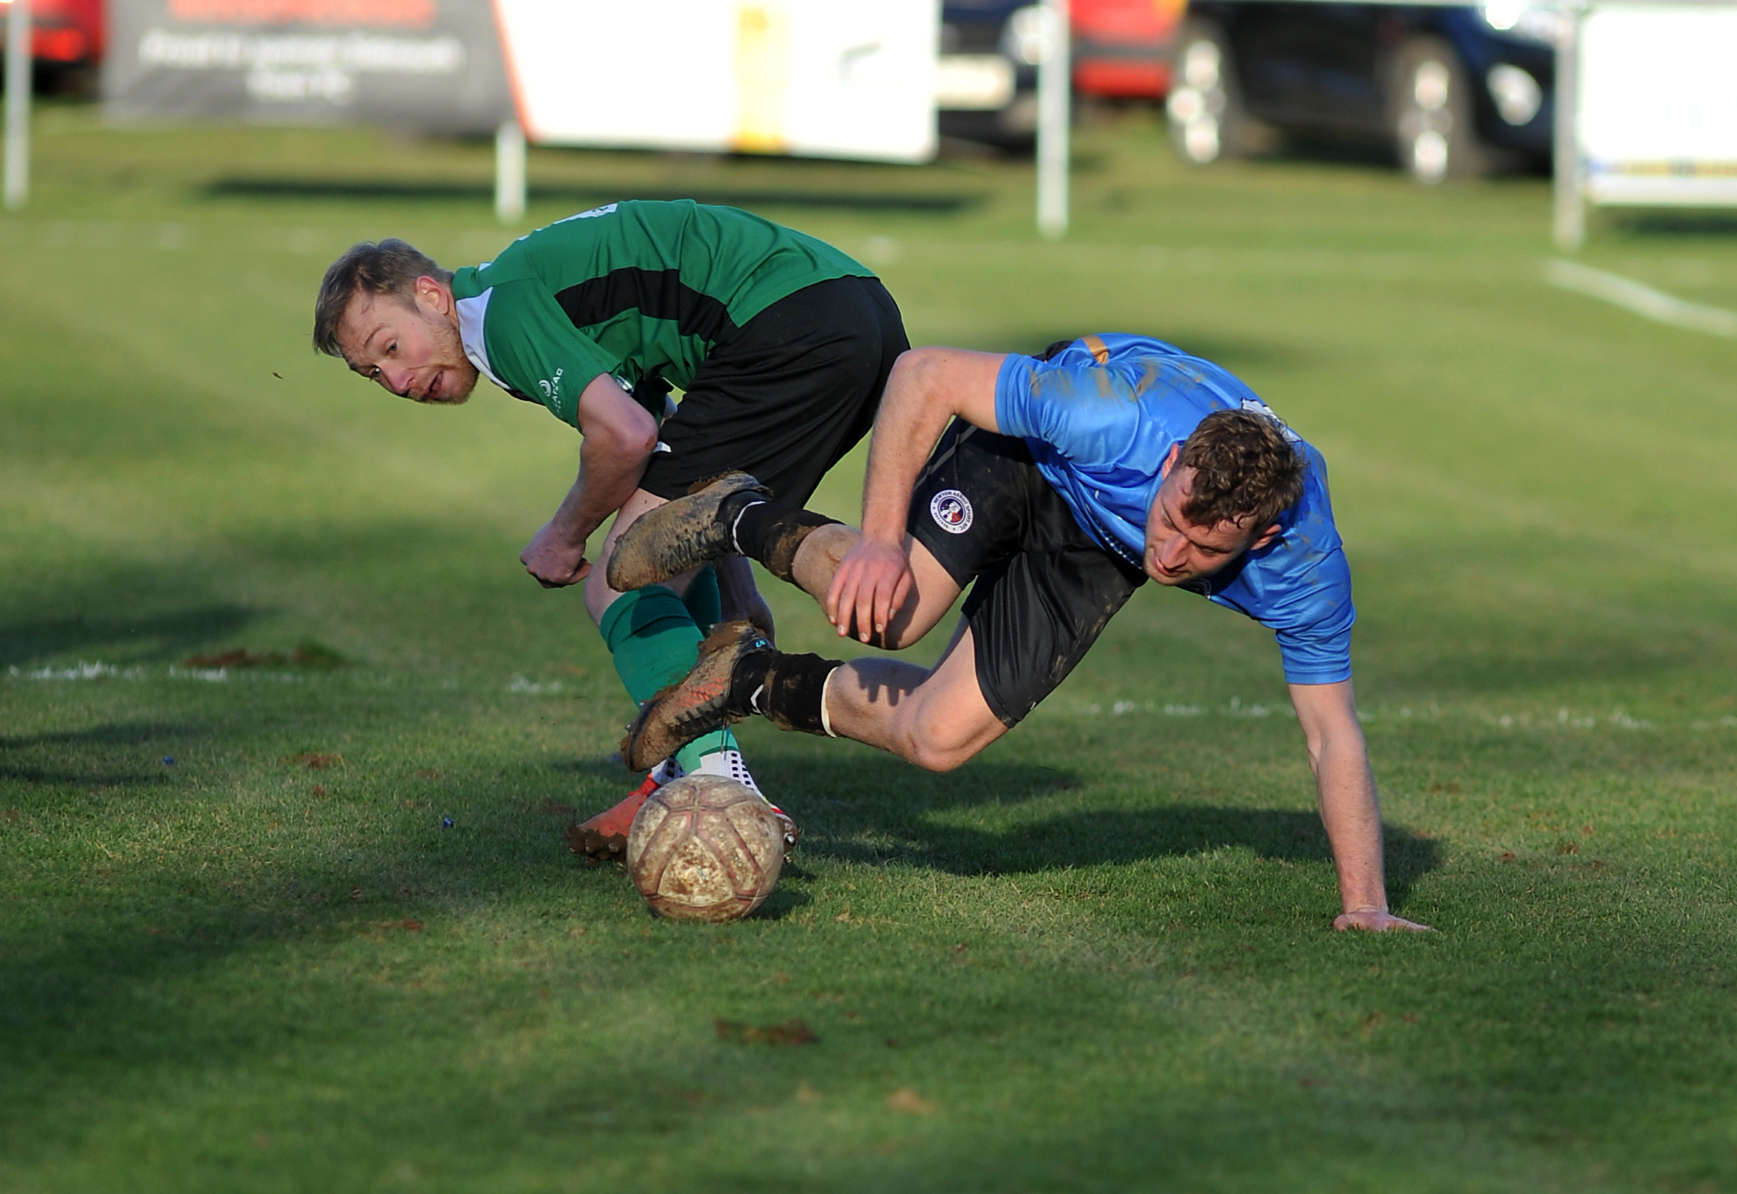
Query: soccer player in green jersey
[[780, 343]]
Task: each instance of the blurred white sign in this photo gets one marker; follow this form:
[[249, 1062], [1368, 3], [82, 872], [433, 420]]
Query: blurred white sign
[[1658, 103], [814, 77]]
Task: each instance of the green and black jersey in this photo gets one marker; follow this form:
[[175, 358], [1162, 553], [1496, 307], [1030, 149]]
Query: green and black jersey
[[640, 290]]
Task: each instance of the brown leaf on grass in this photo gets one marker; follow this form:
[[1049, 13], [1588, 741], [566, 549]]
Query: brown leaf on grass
[[1505, 856], [430, 773], [1371, 1022], [791, 1032], [319, 789], [910, 1102], [236, 657], [307, 655], [1310, 1082], [316, 762], [11, 816], [1568, 847], [410, 926]]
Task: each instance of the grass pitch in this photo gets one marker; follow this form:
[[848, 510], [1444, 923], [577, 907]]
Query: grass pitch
[[303, 927]]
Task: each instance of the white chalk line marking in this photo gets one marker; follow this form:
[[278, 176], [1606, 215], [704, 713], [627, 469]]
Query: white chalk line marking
[[1641, 299]]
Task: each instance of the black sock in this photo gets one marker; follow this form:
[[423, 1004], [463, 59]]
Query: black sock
[[771, 533], [788, 690]]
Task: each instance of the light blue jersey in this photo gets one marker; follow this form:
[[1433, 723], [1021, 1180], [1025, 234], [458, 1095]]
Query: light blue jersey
[[1101, 416]]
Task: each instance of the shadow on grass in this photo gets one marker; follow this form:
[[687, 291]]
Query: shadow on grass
[[584, 196], [1675, 222], [131, 733], [161, 636], [878, 810]]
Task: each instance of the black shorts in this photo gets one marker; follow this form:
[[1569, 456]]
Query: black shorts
[[1044, 588], [786, 395]]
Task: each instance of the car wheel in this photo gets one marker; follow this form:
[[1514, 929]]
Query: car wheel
[[1433, 128], [1206, 115]]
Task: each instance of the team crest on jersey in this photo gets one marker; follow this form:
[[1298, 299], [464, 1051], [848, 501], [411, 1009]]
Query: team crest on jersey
[[951, 511]]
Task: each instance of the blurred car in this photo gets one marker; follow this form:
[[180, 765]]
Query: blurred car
[[66, 39], [986, 76], [1455, 90], [1122, 48]]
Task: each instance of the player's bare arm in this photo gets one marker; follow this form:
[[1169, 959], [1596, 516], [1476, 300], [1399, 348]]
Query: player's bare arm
[[1350, 809], [620, 436], [928, 388]]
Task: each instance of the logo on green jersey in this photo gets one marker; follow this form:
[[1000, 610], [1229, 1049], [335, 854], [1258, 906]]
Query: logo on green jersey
[[552, 387]]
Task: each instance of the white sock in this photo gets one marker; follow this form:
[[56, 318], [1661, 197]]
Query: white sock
[[730, 765]]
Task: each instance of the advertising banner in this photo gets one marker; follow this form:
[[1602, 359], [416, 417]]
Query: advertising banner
[[812, 77], [426, 65], [1657, 121]]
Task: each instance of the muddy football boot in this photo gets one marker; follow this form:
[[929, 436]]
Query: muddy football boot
[[605, 835], [702, 700], [681, 534]]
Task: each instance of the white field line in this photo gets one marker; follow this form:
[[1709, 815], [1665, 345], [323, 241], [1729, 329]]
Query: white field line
[[1642, 300]]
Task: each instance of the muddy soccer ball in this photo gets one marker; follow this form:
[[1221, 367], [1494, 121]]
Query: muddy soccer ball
[[705, 848]]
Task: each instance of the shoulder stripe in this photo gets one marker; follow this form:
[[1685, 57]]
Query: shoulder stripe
[[656, 294], [472, 317]]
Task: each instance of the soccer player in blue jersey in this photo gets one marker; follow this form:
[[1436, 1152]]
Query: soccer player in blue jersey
[[1058, 484]]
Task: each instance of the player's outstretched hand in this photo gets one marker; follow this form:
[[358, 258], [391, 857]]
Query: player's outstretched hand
[[872, 581], [553, 560], [1374, 920]]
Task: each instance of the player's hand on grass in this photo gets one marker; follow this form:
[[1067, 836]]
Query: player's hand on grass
[[1375, 920], [871, 583], [554, 559]]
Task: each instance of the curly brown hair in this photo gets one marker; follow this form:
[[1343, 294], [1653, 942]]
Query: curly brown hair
[[1247, 471], [389, 267]]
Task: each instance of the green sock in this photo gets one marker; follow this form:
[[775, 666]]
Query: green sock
[[654, 641], [653, 638], [703, 600], [690, 755]]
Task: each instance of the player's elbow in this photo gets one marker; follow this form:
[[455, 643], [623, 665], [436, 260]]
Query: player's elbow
[[916, 370], [626, 436]]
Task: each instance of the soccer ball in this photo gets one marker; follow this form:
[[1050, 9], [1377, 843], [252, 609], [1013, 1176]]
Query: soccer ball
[[704, 847]]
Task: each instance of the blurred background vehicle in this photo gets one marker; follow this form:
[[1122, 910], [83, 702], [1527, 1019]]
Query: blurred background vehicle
[[1455, 91], [1121, 48], [986, 79], [986, 75], [66, 42]]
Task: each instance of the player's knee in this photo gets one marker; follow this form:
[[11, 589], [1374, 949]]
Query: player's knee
[[940, 746], [932, 757]]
